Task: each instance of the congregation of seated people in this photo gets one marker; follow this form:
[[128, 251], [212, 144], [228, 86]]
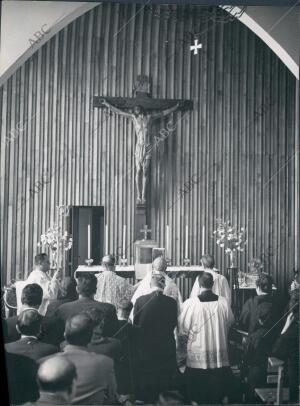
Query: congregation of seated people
[[98, 340]]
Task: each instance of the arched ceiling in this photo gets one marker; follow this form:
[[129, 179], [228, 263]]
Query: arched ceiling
[[27, 25]]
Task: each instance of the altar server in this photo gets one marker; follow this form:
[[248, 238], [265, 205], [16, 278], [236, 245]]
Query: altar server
[[220, 286], [205, 321], [111, 288]]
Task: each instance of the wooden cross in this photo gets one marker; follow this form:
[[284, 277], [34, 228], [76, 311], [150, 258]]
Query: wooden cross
[[145, 230], [143, 98]]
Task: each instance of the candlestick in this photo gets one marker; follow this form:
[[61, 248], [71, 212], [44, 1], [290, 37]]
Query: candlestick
[[186, 241], [203, 240], [124, 239], [89, 241], [168, 242], [106, 238]]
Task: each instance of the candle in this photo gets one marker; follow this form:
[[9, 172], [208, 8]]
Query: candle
[[124, 239], [203, 240], [106, 238], [89, 241], [186, 241], [168, 242]]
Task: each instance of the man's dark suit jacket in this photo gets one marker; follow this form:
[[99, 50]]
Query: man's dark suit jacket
[[52, 330], [78, 306], [54, 305], [31, 347], [21, 378], [156, 316]]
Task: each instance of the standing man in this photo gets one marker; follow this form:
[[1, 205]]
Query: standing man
[[220, 286], [111, 288], [40, 276], [205, 321], [142, 122], [156, 316], [159, 267]]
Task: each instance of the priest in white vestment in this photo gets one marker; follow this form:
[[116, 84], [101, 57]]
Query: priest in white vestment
[[220, 287], [205, 321], [111, 288], [159, 265], [40, 276]]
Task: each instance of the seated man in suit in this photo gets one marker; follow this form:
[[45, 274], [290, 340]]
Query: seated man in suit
[[21, 376], [109, 346], [52, 329], [67, 293], [156, 316], [56, 379], [32, 296], [86, 288], [29, 326], [95, 383]]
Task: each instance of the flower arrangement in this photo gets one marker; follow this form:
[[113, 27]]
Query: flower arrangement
[[54, 239], [228, 237], [57, 241]]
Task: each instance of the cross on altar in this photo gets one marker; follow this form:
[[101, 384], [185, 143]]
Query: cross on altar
[[145, 230]]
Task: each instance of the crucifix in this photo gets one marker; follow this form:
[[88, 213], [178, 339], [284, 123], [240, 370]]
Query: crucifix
[[145, 231], [142, 118]]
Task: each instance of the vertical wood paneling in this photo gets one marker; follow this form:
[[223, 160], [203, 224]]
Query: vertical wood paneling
[[238, 146]]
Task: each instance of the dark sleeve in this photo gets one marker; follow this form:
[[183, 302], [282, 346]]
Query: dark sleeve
[[111, 322], [244, 320], [12, 334], [287, 344], [21, 377], [174, 314]]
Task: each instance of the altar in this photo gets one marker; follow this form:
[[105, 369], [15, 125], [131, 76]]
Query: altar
[[183, 275]]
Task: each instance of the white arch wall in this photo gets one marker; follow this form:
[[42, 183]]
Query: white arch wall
[[278, 27], [21, 20]]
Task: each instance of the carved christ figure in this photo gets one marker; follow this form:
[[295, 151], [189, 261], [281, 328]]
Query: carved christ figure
[[142, 122]]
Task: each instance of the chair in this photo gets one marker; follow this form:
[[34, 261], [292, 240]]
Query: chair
[[278, 394]]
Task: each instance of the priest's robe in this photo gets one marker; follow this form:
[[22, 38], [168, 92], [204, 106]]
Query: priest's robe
[[205, 322], [220, 286], [111, 288], [144, 288]]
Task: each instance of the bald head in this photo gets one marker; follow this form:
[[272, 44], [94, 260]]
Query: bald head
[[56, 374], [159, 264], [108, 261], [79, 330]]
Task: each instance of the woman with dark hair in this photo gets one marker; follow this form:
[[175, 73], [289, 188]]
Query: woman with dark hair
[[287, 345]]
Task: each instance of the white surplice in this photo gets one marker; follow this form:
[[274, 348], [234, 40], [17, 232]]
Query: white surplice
[[206, 326], [112, 287], [220, 286], [49, 285], [144, 288]]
